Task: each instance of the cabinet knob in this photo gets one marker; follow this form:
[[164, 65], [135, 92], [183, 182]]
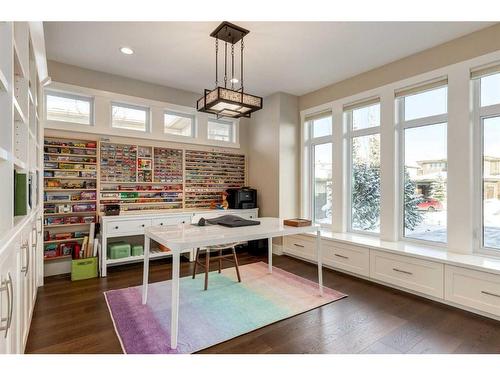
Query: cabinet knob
[[143, 225], [160, 224], [116, 227]]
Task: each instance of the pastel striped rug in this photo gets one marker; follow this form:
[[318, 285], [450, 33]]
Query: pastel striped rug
[[226, 310]]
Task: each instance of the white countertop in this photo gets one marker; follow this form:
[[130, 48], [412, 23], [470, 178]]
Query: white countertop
[[473, 261], [163, 213], [186, 236]]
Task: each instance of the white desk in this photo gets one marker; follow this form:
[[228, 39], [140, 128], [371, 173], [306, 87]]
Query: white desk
[[184, 237]]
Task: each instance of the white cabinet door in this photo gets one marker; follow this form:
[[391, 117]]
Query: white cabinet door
[[24, 244], [9, 308]]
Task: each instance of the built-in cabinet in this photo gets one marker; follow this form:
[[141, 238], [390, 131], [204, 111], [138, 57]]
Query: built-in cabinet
[[21, 252], [477, 290]]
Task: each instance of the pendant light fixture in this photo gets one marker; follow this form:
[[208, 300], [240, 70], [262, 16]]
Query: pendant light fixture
[[226, 100]]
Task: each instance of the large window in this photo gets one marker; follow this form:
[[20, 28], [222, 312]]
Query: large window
[[68, 107], [423, 125], [364, 127], [219, 130], [487, 88], [178, 124], [130, 117], [319, 144]]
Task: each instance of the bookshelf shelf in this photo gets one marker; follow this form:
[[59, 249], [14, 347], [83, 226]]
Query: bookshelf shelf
[[4, 84], [153, 177], [69, 189], [208, 174]]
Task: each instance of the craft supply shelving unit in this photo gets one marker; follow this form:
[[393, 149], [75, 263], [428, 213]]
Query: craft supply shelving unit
[[70, 192], [208, 174], [140, 178]]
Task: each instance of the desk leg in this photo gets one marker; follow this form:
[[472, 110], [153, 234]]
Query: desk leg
[[174, 320], [145, 274], [270, 255], [320, 262]]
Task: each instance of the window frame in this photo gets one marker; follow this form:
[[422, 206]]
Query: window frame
[[350, 135], [190, 116], [479, 115], [309, 145], [401, 126], [147, 128], [70, 95], [232, 125]]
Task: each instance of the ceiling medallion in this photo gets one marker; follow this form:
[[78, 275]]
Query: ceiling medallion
[[224, 101]]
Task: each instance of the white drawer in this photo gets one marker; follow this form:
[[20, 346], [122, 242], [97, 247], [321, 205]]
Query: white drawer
[[301, 246], [129, 226], [407, 272], [349, 258], [479, 290], [171, 220]]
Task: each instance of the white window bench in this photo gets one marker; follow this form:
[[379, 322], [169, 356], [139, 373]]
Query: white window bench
[[470, 282]]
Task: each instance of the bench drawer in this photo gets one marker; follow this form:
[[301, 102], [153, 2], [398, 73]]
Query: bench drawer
[[171, 220], [411, 273], [349, 258], [476, 289], [129, 226], [301, 246]]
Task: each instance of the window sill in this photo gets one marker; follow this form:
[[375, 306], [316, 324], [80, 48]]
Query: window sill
[[426, 252]]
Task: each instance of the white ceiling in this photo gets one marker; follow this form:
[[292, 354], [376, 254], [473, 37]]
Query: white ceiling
[[291, 57]]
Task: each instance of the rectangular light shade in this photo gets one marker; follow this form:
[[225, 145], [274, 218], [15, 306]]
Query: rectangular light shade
[[229, 103]]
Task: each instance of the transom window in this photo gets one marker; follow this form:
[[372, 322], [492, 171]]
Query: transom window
[[178, 124], [424, 161], [219, 130], [363, 121], [68, 107], [130, 117]]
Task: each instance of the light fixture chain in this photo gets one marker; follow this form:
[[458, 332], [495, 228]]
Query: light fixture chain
[[216, 62], [225, 64], [241, 78], [232, 66]]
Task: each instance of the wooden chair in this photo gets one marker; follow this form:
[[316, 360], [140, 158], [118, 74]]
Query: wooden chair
[[220, 257]]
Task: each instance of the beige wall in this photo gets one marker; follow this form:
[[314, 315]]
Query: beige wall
[[75, 75], [272, 148], [469, 46]]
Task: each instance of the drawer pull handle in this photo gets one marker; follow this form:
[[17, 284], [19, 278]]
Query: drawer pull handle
[[490, 294], [341, 256], [402, 271], [298, 245]]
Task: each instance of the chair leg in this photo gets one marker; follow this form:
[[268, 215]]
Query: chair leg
[[220, 261], [196, 261], [236, 265], [207, 266]]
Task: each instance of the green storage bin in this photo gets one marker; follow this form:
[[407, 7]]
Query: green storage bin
[[118, 250], [137, 250], [82, 269]]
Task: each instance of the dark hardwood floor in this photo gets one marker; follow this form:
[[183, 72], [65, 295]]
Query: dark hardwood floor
[[72, 317]]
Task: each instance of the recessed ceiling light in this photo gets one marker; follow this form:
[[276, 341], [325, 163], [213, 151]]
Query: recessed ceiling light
[[126, 51]]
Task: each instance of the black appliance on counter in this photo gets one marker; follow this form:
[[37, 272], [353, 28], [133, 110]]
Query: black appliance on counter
[[242, 198]]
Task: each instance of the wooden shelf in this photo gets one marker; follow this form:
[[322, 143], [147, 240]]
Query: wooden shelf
[[153, 254], [72, 147], [70, 162], [70, 178], [72, 155], [62, 257], [18, 66], [50, 189], [65, 225], [70, 202], [62, 241], [71, 170], [88, 213]]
